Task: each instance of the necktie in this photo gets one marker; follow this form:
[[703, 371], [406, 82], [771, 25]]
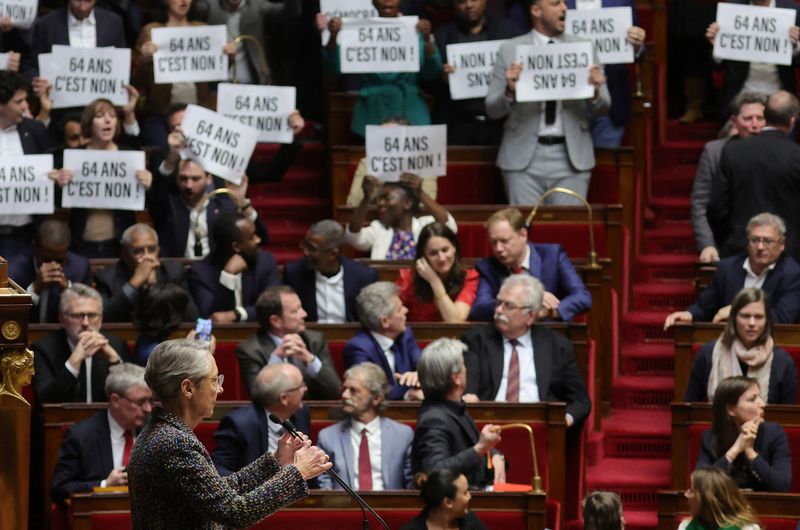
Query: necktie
[[512, 387], [550, 106], [364, 465], [126, 451]]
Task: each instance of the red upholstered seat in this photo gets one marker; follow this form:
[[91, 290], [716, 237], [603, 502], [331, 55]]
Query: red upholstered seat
[[228, 364], [111, 521], [205, 433]]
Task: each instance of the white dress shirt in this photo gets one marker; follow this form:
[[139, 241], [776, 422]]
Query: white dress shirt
[[82, 33], [330, 298], [311, 369], [750, 278], [528, 387], [557, 127], [386, 345], [11, 145], [76, 373], [374, 444], [275, 431], [234, 283], [117, 444], [198, 217]]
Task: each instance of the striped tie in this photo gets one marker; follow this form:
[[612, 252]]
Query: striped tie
[[512, 388]]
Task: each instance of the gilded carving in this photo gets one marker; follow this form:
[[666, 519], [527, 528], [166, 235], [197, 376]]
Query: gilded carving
[[11, 330], [17, 370]]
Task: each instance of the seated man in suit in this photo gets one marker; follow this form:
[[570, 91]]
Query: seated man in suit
[[247, 433], [385, 339], [227, 282], [96, 450], [139, 265], [565, 295], [283, 338], [763, 266], [516, 361], [72, 363], [386, 461], [50, 270], [327, 282]]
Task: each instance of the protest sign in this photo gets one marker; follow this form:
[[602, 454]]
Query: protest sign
[[588, 4], [607, 29], [473, 63], [754, 34], [190, 54], [24, 185], [103, 179], [221, 145], [345, 9], [379, 45], [80, 75], [556, 71], [266, 108], [392, 151], [21, 12]]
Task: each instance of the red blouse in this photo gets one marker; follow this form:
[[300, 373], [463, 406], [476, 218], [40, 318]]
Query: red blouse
[[419, 311]]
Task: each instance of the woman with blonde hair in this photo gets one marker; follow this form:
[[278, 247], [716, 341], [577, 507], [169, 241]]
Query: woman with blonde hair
[[716, 502]]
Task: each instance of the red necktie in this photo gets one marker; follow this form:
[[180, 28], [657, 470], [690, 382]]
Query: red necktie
[[126, 451], [512, 386], [364, 465]]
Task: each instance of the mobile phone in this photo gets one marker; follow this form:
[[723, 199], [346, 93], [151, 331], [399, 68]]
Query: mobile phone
[[202, 329]]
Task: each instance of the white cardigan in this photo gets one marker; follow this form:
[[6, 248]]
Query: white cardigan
[[377, 238]]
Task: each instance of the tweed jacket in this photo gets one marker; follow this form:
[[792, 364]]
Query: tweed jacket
[[174, 484]]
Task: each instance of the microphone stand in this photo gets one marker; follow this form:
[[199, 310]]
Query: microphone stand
[[289, 426]]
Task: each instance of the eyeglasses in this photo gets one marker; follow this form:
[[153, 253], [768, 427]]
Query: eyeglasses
[[768, 242], [311, 248], [78, 317], [139, 402], [218, 381], [295, 389], [508, 306], [139, 251]]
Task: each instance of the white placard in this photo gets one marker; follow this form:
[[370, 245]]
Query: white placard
[[473, 63], [221, 145], [4, 61], [555, 71], [24, 185], [190, 54], [103, 179], [78, 76], [266, 108], [392, 151], [21, 12], [379, 45], [754, 34], [345, 9], [608, 30], [588, 4]]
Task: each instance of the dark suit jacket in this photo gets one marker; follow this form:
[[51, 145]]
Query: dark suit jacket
[[757, 174], [76, 269], [117, 306], [243, 436], [255, 351], [782, 377], [302, 278], [782, 285], [211, 296], [557, 374], [363, 348], [444, 439], [33, 136], [551, 265], [53, 383], [771, 471], [85, 458]]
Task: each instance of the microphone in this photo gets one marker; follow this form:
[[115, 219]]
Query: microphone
[[289, 426]]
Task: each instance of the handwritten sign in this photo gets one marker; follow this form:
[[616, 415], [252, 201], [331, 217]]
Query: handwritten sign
[[392, 151], [379, 45], [473, 63], [190, 54], [607, 29], [24, 185], [103, 179], [81, 75], [345, 9], [556, 71], [266, 108], [754, 34], [21, 12], [223, 146]]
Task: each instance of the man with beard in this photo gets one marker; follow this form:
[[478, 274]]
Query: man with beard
[[370, 452], [226, 284]]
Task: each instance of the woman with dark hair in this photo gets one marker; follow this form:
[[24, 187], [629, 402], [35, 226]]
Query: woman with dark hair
[[156, 314], [438, 288], [446, 496], [716, 502], [602, 510], [754, 452], [745, 348]]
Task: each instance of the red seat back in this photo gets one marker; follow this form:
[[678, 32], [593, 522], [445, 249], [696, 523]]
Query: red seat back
[[228, 364]]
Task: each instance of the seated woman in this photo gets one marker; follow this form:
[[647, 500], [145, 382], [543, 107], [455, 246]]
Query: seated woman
[[446, 496], [602, 510], [438, 288], [157, 313], [716, 502], [754, 452], [745, 348], [446, 436]]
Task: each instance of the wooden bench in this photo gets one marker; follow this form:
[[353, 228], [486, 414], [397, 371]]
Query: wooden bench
[[776, 511]]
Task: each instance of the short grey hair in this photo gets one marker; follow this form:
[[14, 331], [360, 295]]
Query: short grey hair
[[374, 303], [331, 230], [439, 361], [122, 377], [127, 235], [767, 219], [173, 361], [373, 377], [271, 382], [78, 290], [534, 290]]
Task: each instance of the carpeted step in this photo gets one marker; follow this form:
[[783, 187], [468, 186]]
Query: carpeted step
[[637, 433], [677, 182], [664, 268], [662, 296], [286, 234], [640, 520], [285, 255], [645, 327], [674, 238], [695, 133], [648, 359], [637, 480], [676, 209], [642, 392], [296, 182], [308, 208]]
